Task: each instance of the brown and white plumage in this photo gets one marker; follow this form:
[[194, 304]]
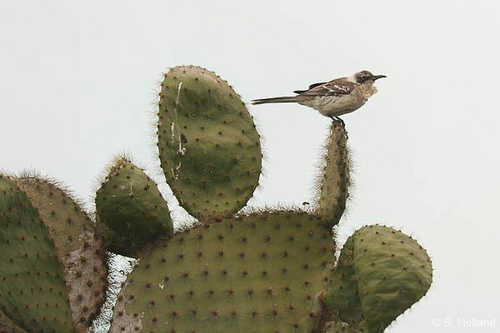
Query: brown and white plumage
[[333, 98]]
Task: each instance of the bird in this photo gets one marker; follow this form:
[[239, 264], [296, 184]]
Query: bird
[[333, 98]]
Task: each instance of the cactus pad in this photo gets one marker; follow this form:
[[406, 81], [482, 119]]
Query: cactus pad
[[391, 272], [333, 183], [79, 249], [208, 145], [32, 289], [260, 273], [132, 209]]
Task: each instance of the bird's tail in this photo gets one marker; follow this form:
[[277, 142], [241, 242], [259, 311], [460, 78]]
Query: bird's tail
[[285, 99]]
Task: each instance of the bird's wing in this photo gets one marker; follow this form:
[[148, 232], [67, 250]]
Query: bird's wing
[[332, 88], [310, 87]]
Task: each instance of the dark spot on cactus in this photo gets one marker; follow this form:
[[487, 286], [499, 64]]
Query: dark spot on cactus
[[284, 270], [148, 285], [220, 254], [199, 255], [171, 297], [224, 272], [291, 238], [264, 273], [244, 239]]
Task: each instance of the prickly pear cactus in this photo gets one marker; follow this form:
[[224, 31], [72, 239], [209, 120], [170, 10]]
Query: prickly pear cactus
[[271, 270]]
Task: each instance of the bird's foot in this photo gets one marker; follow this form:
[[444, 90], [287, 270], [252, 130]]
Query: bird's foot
[[335, 118]]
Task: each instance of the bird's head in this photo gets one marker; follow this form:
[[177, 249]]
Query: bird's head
[[366, 77]]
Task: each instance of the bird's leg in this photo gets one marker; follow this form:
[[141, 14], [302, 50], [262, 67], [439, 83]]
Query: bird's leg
[[336, 118]]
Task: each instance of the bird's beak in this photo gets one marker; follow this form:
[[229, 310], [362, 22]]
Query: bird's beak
[[376, 77]]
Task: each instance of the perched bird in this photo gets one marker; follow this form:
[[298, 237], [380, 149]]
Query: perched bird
[[333, 98]]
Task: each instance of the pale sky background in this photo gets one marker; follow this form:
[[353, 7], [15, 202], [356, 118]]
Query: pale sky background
[[78, 81]]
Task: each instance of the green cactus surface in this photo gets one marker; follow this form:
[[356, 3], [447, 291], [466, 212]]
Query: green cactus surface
[[208, 145], [257, 273], [132, 209], [8, 326], [33, 289], [78, 247], [334, 180], [381, 273]]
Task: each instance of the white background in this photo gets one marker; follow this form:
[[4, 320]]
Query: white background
[[78, 82]]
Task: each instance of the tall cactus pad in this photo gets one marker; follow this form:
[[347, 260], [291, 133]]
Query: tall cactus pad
[[208, 145], [32, 289], [333, 183], [392, 272], [79, 249], [260, 273], [132, 209]]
